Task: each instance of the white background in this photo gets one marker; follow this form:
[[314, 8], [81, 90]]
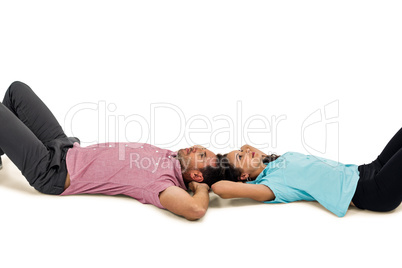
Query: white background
[[279, 58]]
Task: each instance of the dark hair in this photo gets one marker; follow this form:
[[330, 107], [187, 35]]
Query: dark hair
[[226, 171], [223, 171], [269, 158], [213, 174], [232, 173]]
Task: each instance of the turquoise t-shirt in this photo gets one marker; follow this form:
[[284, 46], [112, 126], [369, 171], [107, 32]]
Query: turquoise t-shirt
[[295, 176]]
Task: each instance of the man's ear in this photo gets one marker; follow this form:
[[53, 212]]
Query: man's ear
[[244, 176], [196, 176]]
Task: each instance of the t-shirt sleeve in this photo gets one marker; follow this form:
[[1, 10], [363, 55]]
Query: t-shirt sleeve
[[151, 194], [282, 192], [275, 188]]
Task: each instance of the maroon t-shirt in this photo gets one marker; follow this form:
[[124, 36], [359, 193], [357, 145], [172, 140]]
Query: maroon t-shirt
[[138, 170]]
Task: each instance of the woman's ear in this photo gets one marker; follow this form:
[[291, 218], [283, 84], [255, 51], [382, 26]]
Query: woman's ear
[[244, 176], [196, 176]]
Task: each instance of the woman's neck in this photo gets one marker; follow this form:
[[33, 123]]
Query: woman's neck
[[258, 171]]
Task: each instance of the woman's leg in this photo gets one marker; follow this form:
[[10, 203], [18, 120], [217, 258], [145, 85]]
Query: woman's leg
[[391, 148], [384, 191], [380, 184]]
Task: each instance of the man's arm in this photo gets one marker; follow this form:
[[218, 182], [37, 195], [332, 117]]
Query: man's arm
[[182, 203], [230, 189]]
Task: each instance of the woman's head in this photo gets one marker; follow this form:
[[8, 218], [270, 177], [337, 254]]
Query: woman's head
[[247, 162]]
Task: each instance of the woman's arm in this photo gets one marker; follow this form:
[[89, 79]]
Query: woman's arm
[[230, 189]]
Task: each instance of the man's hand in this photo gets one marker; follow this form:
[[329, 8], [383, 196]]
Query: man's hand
[[195, 185]]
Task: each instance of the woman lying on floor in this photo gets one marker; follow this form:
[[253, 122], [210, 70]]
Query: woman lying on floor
[[294, 176]]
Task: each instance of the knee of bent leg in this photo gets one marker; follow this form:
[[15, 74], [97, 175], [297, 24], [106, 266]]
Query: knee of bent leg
[[16, 87], [390, 206]]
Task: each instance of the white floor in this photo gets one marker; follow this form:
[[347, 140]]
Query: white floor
[[100, 231], [143, 71]]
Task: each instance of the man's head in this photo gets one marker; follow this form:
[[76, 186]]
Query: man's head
[[196, 162]]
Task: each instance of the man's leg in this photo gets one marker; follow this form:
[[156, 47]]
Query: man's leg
[[26, 105], [46, 134], [23, 148], [30, 109]]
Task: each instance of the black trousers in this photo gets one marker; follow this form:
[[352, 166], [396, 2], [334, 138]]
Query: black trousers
[[33, 139], [380, 184]]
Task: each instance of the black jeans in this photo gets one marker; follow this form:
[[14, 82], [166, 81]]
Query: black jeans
[[380, 184], [33, 139]]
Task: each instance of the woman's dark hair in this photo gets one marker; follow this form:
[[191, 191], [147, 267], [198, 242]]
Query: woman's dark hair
[[226, 171], [213, 174], [269, 158], [231, 173]]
